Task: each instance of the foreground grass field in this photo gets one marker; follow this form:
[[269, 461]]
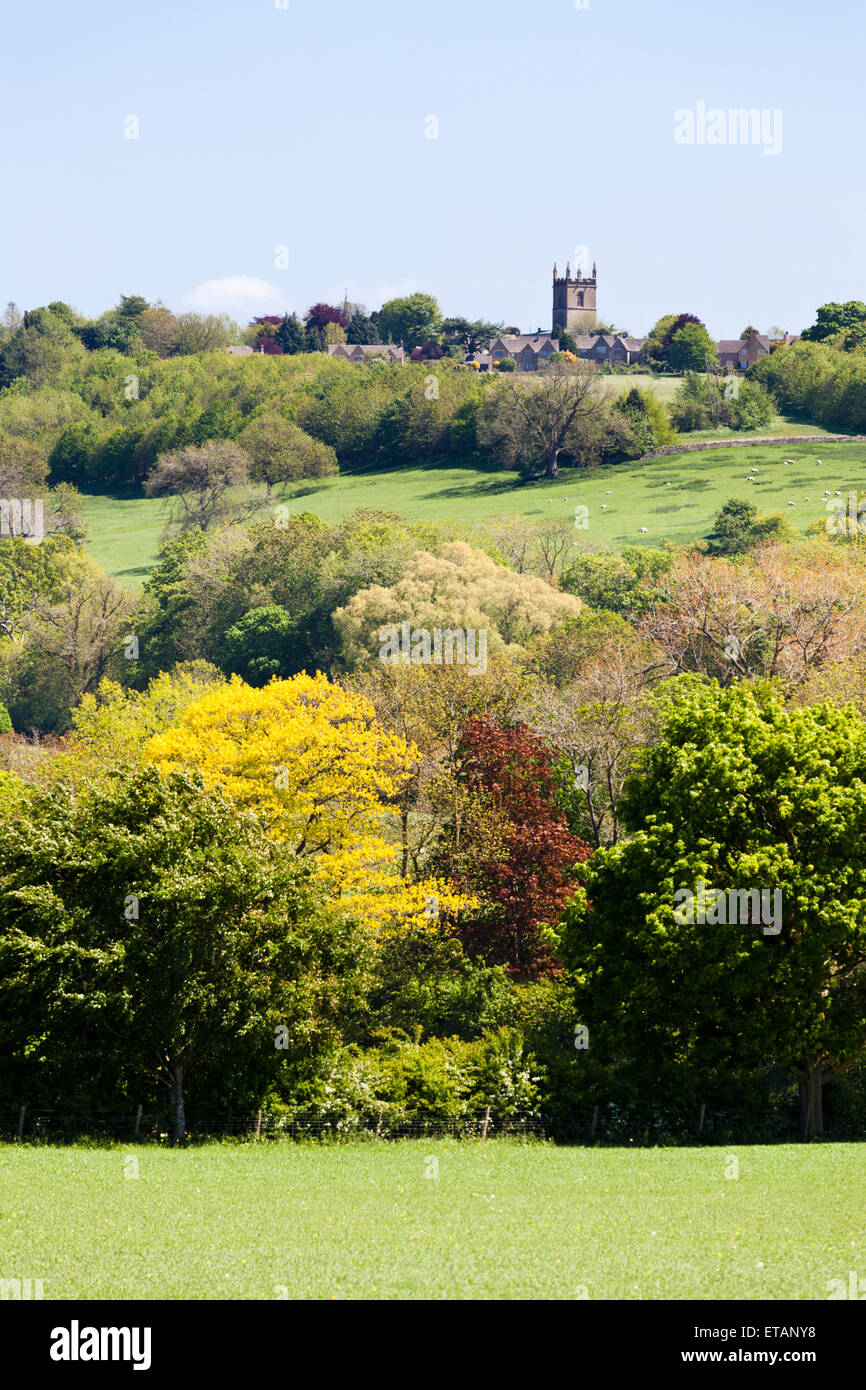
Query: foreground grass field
[[433, 1219], [675, 497]]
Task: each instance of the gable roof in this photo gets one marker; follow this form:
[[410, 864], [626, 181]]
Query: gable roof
[[740, 344], [514, 344], [350, 350]]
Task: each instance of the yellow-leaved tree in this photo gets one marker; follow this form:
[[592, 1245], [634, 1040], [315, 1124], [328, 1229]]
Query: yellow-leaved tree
[[313, 762]]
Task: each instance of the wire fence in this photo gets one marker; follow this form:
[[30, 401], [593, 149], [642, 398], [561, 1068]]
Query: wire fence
[[46, 1125], [604, 1124]]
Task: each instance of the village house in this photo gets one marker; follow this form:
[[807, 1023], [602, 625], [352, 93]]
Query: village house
[[736, 354], [615, 348], [358, 353], [740, 353], [530, 351]]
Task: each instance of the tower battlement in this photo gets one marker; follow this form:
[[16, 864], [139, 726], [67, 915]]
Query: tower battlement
[[574, 299]]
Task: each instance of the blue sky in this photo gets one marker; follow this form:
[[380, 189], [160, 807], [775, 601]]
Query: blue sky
[[306, 127]]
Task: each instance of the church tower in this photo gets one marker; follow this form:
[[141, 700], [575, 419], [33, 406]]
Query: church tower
[[573, 300]]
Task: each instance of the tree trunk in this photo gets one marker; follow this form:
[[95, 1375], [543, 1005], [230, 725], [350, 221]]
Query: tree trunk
[[552, 465], [176, 1097], [811, 1083]]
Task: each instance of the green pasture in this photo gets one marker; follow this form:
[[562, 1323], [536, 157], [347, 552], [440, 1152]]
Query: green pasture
[[432, 1219], [675, 497]]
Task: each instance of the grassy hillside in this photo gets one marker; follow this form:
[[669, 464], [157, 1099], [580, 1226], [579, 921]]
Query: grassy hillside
[[675, 497]]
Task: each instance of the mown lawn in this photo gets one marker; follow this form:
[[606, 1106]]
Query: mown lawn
[[432, 1219], [675, 497]]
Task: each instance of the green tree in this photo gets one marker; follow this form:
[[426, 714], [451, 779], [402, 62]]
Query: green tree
[[530, 423], [132, 306], [160, 330], [732, 528], [465, 336], [361, 329], [282, 452], [262, 645], [648, 418], [739, 796], [655, 348], [691, 348], [567, 342], [151, 938], [738, 528], [203, 333], [290, 335], [41, 349], [70, 633], [411, 321], [834, 318]]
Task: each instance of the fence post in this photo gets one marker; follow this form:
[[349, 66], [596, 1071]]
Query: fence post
[[259, 1123], [594, 1122], [701, 1120], [137, 1122], [21, 1113], [379, 1121], [486, 1123]]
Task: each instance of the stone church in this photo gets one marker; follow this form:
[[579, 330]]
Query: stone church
[[574, 312], [573, 300]]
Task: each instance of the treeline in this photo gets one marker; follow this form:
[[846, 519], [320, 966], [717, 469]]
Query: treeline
[[107, 419], [812, 381]]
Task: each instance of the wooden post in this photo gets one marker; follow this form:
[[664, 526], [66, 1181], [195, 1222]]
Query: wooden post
[[486, 1123], [701, 1120], [259, 1123], [137, 1121], [594, 1122], [379, 1121], [21, 1113]]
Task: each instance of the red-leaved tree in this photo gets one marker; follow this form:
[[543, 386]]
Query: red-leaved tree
[[320, 315], [508, 843]]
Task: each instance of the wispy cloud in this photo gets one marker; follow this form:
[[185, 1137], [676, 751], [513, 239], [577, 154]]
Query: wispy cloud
[[242, 296]]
